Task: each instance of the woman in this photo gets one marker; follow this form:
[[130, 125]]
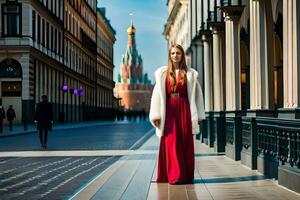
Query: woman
[[176, 110]]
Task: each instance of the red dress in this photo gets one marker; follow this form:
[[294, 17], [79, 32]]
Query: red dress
[[176, 151]]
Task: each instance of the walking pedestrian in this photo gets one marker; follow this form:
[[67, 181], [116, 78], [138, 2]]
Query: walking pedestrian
[[11, 115], [44, 118], [176, 111], [2, 116]]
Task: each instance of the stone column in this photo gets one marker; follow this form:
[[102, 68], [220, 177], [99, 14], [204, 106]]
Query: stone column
[[218, 83], [208, 82], [233, 69], [200, 63], [199, 66], [261, 56], [291, 52], [208, 85], [218, 67], [233, 123]]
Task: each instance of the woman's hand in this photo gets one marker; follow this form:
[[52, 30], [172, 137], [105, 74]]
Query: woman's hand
[[157, 122]]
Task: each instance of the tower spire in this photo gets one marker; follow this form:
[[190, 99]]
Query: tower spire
[[131, 29], [131, 20]]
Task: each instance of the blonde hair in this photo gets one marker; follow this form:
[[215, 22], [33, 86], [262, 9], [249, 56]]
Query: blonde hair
[[171, 68]]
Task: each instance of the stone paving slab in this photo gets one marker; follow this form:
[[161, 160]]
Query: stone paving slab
[[126, 177], [47, 177], [216, 178], [219, 178]]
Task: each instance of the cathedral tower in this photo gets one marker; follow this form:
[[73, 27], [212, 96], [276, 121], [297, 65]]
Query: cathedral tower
[[133, 86]]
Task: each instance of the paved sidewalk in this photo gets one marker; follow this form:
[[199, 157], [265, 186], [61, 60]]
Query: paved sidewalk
[[216, 178], [18, 129]]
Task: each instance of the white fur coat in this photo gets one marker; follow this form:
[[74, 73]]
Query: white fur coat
[[158, 100]]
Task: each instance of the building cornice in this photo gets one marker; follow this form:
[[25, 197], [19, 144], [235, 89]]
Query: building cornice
[[106, 21], [44, 9]]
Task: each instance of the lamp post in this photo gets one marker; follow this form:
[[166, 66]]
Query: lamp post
[[76, 92], [64, 89], [80, 94]]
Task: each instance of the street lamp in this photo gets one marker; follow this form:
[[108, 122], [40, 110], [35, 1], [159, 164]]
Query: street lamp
[[64, 89]]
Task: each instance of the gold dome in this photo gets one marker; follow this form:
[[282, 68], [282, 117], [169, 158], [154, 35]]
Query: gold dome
[[131, 29]]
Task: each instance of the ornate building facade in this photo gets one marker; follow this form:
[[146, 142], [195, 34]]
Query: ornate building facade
[[50, 47], [133, 87], [105, 66], [177, 26], [31, 54], [247, 52], [80, 59]]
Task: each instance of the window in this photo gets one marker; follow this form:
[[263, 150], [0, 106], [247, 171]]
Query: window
[[59, 14], [11, 21], [33, 25], [54, 7], [52, 39], [39, 29], [56, 42], [43, 32], [47, 39], [66, 52], [66, 20], [69, 21], [59, 44]]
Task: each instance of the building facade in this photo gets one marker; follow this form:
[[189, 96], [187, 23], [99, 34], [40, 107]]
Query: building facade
[[133, 87], [80, 59], [247, 52], [105, 66], [31, 54], [177, 26], [49, 47]]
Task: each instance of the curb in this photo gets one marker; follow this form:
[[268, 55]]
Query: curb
[[73, 126], [17, 133]]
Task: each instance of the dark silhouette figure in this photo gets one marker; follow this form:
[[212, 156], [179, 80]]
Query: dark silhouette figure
[[11, 115], [44, 118], [2, 116]]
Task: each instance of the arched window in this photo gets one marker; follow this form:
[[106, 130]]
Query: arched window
[[10, 68]]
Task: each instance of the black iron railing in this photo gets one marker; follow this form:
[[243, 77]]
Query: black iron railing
[[246, 135], [280, 139], [229, 131], [231, 2], [215, 16], [215, 128], [203, 128]]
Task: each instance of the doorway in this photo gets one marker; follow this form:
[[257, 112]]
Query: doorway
[[12, 95]]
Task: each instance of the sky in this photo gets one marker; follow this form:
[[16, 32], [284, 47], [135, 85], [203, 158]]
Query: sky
[[149, 17]]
